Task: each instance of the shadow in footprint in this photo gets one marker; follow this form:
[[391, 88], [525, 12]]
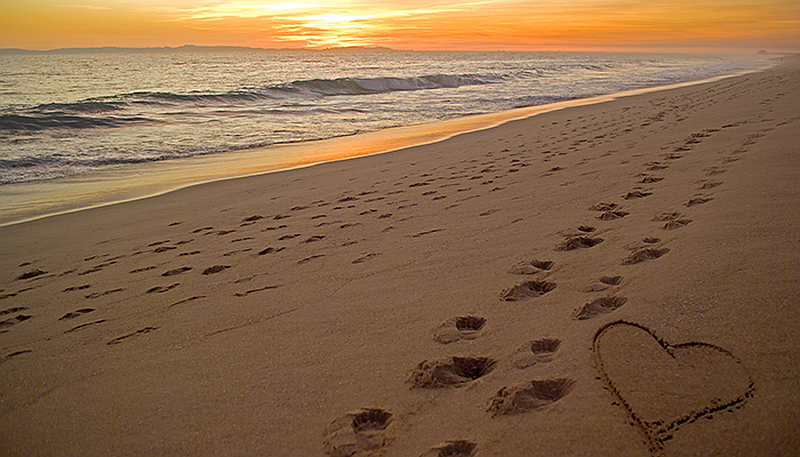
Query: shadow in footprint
[[636, 194], [528, 267], [598, 307], [611, 215], [76, 313], [530, 396], [357, 432], [450, 372], [459, 328], [641, 255], [527, 289], [535, 351], [454, 448], [578, 242]]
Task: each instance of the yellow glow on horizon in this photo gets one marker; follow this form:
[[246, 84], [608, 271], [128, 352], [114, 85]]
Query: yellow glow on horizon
[[413, 24]]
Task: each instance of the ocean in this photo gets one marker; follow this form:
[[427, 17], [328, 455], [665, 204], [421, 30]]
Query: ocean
[[67, 116]]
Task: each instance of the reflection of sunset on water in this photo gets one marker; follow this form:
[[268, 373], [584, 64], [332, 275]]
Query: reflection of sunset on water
[[678, 25]]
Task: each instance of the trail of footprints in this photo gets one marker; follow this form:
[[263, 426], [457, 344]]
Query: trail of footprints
[[365, 430]]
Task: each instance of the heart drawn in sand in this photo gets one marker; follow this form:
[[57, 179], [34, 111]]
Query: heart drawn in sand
[[664, 386]]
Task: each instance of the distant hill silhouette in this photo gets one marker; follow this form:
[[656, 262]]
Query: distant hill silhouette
[[184, 48]]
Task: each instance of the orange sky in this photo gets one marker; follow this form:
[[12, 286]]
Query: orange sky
[[666, 25]]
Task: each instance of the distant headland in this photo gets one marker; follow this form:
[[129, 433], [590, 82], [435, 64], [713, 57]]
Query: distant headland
[[184, 48]]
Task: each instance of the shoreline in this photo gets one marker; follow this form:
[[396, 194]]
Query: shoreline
[[132, 182], [610, 279]]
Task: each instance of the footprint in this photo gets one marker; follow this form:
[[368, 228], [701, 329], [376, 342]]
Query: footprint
[[586, 228], [527, 289], [176, 271], [598, 307], [530, 396], [530, 267], [30, 274], [76, 313], [641, 255], [578, 242], [74, 288], [215, 269], [535, 351], [450, 372], [611, 280], [187, 300], [667, 216], [697, 201], [602, 206], [651, 240], [636, 194], [676, 224], [13, 310], [453, 448], [710, 185], [357, 432], [252, 218], [122, 338], [611, 215], [650, 179], [270, 250], [310, 258], [459, 328], [365, 257], [14, 320], [101, 294], [161, 289], [78, 327], [251, 291], [427, 232]]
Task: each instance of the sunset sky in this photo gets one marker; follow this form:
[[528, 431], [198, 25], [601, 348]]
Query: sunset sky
[[667, 25]]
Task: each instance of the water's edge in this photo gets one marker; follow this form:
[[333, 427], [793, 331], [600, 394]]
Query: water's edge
[[25, 202]]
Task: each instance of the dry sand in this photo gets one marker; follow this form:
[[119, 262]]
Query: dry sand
[[405, 304]]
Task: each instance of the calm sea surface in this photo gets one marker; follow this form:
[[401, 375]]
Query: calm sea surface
[[66, 115]]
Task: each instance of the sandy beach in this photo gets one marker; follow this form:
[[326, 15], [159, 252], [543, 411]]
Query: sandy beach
[[612, 279]]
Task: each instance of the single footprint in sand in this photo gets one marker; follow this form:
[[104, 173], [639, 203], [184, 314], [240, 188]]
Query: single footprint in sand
[[612, 215], [598, 307], [640, 255], [603, 283], [215, 269], [176, 271], [76, 313], [450, 372], [452, 448], [122, 338], [459, 328], [578, 242], [528, 267], [530, 396], [603, 206], [535, 351], [697, 201], [360, 432], [636, 194], [30, 274], [527, 289]]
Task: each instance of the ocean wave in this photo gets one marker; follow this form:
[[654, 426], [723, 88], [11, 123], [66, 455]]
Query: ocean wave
[[60, 120], [366, 86]]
